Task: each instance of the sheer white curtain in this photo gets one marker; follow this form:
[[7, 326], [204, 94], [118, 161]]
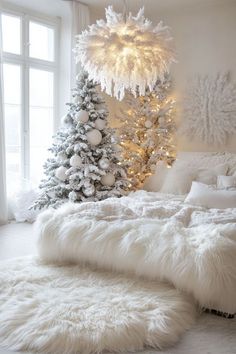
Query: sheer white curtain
[[3, 194], [80, 21]]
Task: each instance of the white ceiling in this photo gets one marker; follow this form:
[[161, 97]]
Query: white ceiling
[[150, 5]]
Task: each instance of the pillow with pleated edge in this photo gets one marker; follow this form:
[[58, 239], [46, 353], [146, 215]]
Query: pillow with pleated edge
[[209, 175]]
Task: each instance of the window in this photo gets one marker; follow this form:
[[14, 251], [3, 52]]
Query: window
[[30, 80]]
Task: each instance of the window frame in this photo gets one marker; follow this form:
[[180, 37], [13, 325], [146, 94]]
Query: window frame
[[26, 62]]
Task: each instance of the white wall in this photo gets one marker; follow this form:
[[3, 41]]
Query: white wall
[[205, 38]]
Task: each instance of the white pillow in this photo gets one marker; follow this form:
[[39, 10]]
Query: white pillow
[[178, 181], [209, 175], [155, 182], [209, 197], [226, 182]]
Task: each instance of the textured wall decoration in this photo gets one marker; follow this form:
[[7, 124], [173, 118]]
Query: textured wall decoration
[[209, 109]]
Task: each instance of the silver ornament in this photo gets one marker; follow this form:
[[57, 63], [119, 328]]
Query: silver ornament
[[104, 164]]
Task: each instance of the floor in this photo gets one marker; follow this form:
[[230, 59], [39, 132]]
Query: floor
[[210, 335]]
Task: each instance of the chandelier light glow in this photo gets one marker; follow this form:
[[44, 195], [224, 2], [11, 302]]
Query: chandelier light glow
[[124, 52]]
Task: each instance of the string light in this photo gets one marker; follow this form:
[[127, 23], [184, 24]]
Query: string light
[[144, 147]]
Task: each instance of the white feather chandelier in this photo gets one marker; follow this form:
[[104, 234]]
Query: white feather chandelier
[[124, 52]]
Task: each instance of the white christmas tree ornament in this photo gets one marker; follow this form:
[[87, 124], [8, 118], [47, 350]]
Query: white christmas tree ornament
[[75, 161], [94, 137], [82, 116], [61, 173], [100, 124], [108, 179], [104, 164]]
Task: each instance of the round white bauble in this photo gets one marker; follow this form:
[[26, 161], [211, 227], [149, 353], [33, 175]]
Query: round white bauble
[[148, 124], [104, 164], [100, 124], [61, 156], [94, 137], [89, 191], [82, 116], [61, 173], [108, 180], [75, 161], [72, 196]]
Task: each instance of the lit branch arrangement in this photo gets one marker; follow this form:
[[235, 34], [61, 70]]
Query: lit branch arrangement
[[147, 131]]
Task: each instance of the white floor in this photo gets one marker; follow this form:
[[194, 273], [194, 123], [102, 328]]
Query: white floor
[[211, 334]]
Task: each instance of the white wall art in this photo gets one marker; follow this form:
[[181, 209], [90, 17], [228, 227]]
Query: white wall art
[[209, 109]]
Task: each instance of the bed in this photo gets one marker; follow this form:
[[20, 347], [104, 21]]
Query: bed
[[156, 235]]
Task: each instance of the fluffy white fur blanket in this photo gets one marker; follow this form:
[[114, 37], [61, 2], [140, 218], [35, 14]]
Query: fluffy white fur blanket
[[152, 235]]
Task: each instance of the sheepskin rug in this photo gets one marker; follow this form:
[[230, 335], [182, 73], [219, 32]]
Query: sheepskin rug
[[77, 309]]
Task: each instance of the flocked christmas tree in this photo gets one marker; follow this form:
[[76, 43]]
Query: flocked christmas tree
[[147, 131], [84, 165]]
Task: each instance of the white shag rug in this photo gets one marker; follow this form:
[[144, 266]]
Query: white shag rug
[[77, 309]]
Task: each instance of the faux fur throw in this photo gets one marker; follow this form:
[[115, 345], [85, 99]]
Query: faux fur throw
[[151, 235]]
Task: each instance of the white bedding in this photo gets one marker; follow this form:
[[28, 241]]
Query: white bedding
[[153, 235]]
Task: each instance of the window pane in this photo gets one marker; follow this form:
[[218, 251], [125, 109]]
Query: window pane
[[41, 126], [41, 130], [12, 120], [41, 88], [41, 120], [12, 83], [11, 34], [13, 145], [41, 40]]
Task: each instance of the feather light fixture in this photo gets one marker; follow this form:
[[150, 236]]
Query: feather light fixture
[[125, 52]]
